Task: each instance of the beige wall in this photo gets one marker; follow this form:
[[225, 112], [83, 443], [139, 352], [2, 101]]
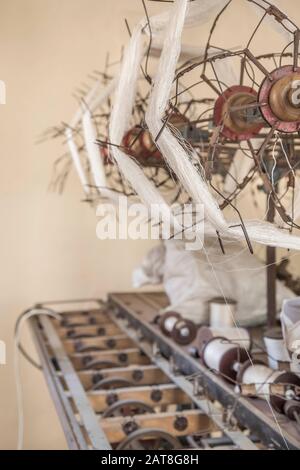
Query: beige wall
[[48, 245]]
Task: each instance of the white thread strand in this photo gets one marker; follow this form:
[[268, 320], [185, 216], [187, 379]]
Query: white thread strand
[[172, 150], [76, 161], [93, 152], [124, 100]]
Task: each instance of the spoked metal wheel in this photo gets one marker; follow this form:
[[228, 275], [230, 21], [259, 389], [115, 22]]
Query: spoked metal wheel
[[149, 439], [127, 408], [111, 383]]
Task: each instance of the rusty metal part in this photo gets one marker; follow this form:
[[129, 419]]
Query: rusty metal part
[[130, 427], [101, 332], [279, 99], [181, 423], [127, 408], [111, 399], [236, 111], [284, 275], [111, 343], [285, 378], [156, 395], [137, 375], [292, 409], [154, 439], [123, 357], [97, 377], [139, 143]]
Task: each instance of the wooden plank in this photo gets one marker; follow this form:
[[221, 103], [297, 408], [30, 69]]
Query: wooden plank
[[103, 342], [197, 423], [97, 318], [154, 396], [109, 329], [142, 375], [83, 312], [121, 358]]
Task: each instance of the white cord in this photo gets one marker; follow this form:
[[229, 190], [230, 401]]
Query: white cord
[[20, 410]]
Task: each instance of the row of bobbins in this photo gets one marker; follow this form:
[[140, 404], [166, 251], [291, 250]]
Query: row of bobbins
[[184, 331], [233, 362], [181, 330], [225, 349]]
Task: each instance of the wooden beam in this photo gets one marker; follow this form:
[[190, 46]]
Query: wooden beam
[[109, 329], [168, 395], [82, 320], [141, 375], [122, 358], [197, 423], [103, 342]]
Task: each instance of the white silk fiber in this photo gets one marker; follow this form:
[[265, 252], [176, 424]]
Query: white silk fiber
[[77, 161], [93, 152], [119, 123], [201, 10], [173, 151]]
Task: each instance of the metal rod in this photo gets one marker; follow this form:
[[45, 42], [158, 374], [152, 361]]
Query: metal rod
[[271, 272]]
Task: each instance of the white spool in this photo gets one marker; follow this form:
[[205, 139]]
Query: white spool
[[238, 336], [222, 313], [223, 356], [276, 349], [261, 376], [214, 352], [170, 323], [167, 322]]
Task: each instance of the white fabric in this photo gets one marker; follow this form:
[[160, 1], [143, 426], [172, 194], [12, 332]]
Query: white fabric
[[151, 270], [290, 322], [190, 282]]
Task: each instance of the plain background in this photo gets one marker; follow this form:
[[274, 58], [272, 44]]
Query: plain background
[[49, 248]]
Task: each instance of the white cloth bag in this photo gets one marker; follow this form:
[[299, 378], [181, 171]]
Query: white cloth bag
[[192, 278]]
